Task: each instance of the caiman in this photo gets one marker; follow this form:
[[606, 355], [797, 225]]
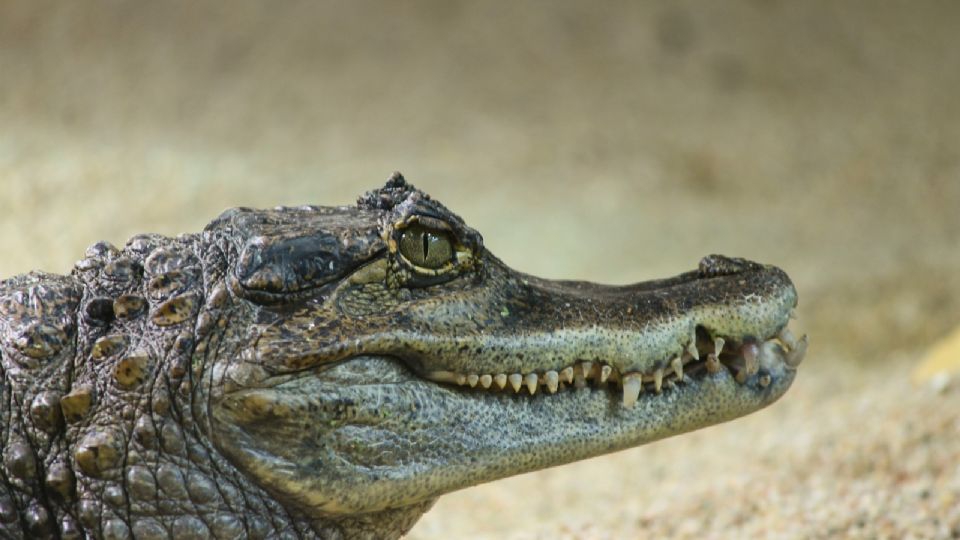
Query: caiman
[[328, 372]]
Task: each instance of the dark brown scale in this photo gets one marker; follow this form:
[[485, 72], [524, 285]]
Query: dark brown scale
[[40, 341], [19, 461], [189, 528], [60, 481], [114, 495], [39, 524], [70, 529], [129, 306], [133, 370], [8, 512], [165, 260], [109, 346], [226, 527], [176, 310], [122, 270], [88, 510], [77, 403], [142, 484], [170, 480], [116, 529], [164, 286], [102, 250], [149, 529], [98, 452], [144, 432]]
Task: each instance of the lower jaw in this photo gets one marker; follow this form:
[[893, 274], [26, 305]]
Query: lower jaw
[[474, 436], [527, 433]]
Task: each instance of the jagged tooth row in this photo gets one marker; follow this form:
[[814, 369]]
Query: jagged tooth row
[[552, 380], [633, 383], [578, 375]]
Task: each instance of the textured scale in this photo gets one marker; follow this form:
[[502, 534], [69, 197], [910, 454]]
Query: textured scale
[[290, 373], [82, 353]]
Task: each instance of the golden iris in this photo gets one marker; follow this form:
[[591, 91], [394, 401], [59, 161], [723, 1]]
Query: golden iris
[[426, 248]]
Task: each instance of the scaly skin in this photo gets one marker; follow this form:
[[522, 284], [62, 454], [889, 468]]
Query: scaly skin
[[328, 372]]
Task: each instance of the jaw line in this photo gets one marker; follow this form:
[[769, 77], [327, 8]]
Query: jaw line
[[779, 347], [474, 437]]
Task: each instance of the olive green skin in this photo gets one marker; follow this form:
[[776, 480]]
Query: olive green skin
[[279, 364]]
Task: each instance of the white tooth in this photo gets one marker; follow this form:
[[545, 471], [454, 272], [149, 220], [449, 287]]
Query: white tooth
[[501, 380], [486, 381], [741, 376], [677, 365], [472, 379], [718, 346], [552, 380], [566, 374], [713, 364], [658, 380], [793, 314], [461, 379], [692, 349], [632, 386], [531, 381], [442, 376], [605, 373], [786, 336], [587, 368], [751, 363], [516, 380], [795, 356]]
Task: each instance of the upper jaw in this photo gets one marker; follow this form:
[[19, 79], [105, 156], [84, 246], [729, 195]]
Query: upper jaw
[[751, 360], [553, 330], [510, 330]]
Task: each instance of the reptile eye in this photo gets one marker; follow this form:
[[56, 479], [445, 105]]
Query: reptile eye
[[426, 248]]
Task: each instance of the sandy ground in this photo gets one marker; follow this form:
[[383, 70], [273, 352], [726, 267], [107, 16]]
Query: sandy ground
[[611, 142]]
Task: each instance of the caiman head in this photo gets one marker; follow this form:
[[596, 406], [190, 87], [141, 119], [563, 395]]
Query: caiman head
[[376, 356]]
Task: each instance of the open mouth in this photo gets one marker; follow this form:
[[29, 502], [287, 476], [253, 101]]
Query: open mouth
[[743, 358]]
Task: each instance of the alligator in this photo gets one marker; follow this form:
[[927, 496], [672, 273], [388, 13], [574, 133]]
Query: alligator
[[328, 372]]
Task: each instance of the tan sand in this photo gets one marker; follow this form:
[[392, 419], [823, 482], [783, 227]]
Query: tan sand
[[613, 142]]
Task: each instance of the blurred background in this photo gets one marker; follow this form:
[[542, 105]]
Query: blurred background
[[613, 142]]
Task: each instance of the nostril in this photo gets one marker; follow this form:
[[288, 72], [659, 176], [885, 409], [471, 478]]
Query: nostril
[[720, 265]]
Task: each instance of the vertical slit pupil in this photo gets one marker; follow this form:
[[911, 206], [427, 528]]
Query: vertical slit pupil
[[426, 248]]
